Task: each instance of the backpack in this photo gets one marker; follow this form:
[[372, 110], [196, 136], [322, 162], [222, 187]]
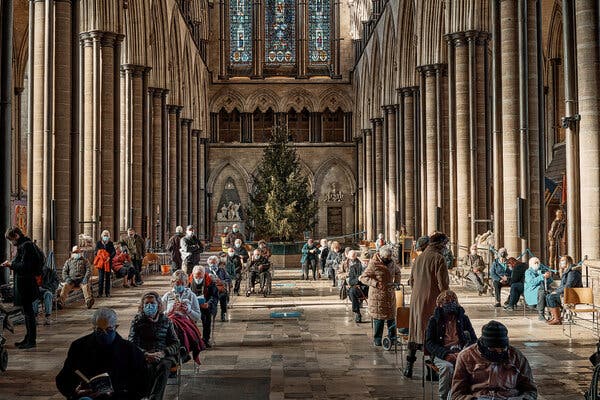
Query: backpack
[[40, 262]]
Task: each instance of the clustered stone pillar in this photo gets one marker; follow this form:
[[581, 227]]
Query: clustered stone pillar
[[159, 154], [379, 191], [408, 135], [369, 181], [392, 177], [173, 116], [202, 205], [194, 177], [184, 161]]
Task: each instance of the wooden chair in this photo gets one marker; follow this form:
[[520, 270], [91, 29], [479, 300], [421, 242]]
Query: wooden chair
[[580, 297], [150, 261]]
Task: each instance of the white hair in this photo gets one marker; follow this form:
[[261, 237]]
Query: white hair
[[385, 252], [198, 269], [107, 314], [212, 258], [238, 241], [179, 229], [179, 275], [533, 260]]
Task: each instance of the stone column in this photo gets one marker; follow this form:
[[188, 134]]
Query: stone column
[[392, 178], [146, 228], [336, 41], [194, 177], [258, 42], [359, 198], [302, 53], [316, 127], [6, 111], [159, 211], [588, 59], [137, 191], [379, 191], [202, 211], [368, 184], [186, 125], [408, 121], [223, 40], [173, 214]]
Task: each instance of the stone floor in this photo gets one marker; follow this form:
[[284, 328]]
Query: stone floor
[[320, 354]]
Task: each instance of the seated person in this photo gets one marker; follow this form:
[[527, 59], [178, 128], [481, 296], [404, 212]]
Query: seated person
[[536, 285], [262, 246], [205, 290], [233, 265], [123, 267], [500, 274], [76, 274], [49, 285], [448, 332], [571, 278], [103, 351], [357, 291], [155, 335], [256, 269], [181, 306], [474, 263], [517, 282], [240, 250], [492, 369], [222, 281]]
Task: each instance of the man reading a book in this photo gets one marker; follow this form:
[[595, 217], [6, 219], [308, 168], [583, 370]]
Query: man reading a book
[[103, 352]]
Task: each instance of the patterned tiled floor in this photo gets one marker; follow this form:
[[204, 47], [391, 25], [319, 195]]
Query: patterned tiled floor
[[322, 354]]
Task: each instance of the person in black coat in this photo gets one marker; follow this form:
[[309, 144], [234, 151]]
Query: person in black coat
[[517, 282], [104, 276], [104, 351], [448, 332], [24, 266]]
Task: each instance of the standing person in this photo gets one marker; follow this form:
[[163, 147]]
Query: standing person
[[323, 255], [207, 295], [334, 259], [26, 265], [104, 263], [428, 278], [448, 332], [475, 264], [76, 273], [153, 332], [222, 280], [137, 251], [190, 248], [310, 253], [500, 274], [492, 369], [234, 235], [233, 265], [536, 286], [381, 276], [173, 247], [357, 290]]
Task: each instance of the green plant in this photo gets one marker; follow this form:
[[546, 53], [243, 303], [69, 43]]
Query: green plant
[[281, 208]]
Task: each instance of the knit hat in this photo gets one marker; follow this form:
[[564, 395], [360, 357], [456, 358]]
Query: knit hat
[[494, 334], [422, 243]]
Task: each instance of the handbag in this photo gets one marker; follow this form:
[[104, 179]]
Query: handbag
[[343, 292]]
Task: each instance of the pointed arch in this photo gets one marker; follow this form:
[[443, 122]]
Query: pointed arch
[[157, 44], [324, 169], [406, 49], [263, 99], [333, 99], [430, 29], [388, 44], [299, 99], [242, 174], [227, 99], [173, 65]]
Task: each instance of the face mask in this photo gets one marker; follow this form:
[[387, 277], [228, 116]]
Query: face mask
[[213, 267], [106, 338], [230, 254], [491, 355], [198, 280], [150, 309], [189, 233], [237, 245], [563, 264], [131, 235], [105, 238], [473, 252], [76, 256], [387, 261], [535, 267], [450, 308], [179, 288], [235, 230]]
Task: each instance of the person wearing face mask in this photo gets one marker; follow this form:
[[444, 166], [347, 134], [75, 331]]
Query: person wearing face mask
[[155, 335], [264, 249], [448, 332], [536, 285], [26, 265], [137, 251], [180, 299], [104, 351], [570, 278], [357, 290], [500, 274], [190, 248], [429, 277], [76, 274], [103, 262], [310, 253], [222, 281], [334, 260], [174, 247], [258, 267], [234, 235], [381, 275], [474, 263], [492, 369], [233, 265], [204, 288], [240, 250]]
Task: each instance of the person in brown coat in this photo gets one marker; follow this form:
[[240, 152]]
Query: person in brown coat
[[491, 368], [428, 278], [381, 276]]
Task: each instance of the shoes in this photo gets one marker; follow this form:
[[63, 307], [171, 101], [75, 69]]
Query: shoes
[[22, 342], [27, 345], [207, 344], [99, 295], [498, 304], [509, 308], [408, 371], [89, 303], [140, 283], [59, 305], [377, 342], [223, 317], [541, 316], [506, 302], [126, 286], [48, 320], [108, 295], [357, 318]]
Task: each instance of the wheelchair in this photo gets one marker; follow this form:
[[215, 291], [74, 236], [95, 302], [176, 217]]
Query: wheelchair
[[265, 280]]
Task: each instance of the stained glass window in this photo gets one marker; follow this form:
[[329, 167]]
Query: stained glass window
[[319, 27], [240, 31], [280, 24]]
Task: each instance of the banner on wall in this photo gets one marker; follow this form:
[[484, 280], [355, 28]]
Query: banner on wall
[[20, 215]]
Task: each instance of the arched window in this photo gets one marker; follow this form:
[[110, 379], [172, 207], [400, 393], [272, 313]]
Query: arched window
[[299, 125], [280, 32], [229, 126], [240, 32], [333, 126], [262, 125], [319, 32]]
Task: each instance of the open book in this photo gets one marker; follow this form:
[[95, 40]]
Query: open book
[[99, 384]]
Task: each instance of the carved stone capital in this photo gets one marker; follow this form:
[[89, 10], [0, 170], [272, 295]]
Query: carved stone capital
[[408, 91], [432, 69], [367, 132]]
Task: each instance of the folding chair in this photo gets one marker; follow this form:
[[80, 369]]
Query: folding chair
[[580, 297], [150, 261]]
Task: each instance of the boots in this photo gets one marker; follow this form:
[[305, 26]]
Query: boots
[[377, 331], [410, 362], [556, 319], [541, 315]]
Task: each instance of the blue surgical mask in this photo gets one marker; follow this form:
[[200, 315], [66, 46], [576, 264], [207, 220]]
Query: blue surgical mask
[[179, 288], [105, 238], [213, 267], [106, 338], [235, 230], [150, 309]]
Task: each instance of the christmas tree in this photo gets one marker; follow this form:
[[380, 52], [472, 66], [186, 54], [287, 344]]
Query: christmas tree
[[281, 207]]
